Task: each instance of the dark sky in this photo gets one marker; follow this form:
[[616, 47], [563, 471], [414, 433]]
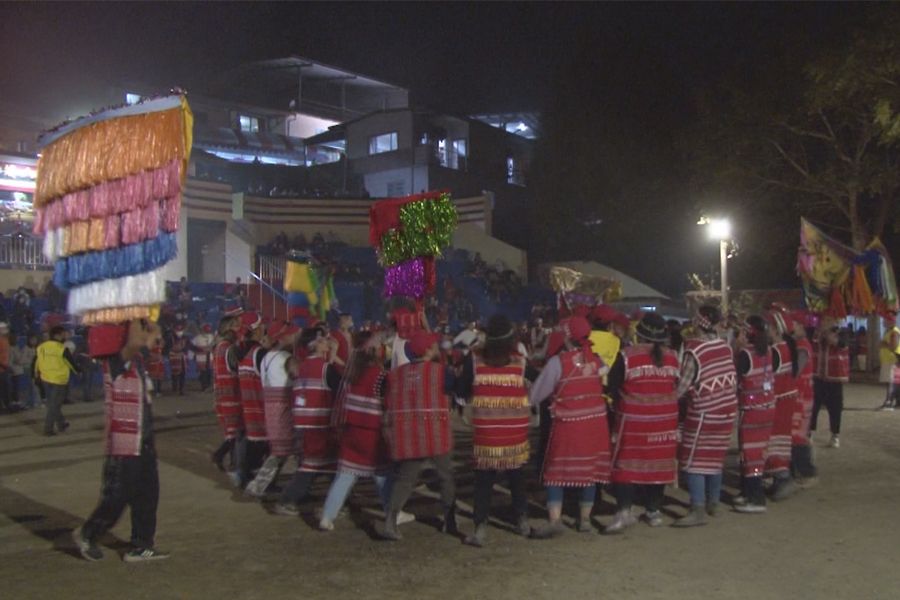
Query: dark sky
[[459, 57]]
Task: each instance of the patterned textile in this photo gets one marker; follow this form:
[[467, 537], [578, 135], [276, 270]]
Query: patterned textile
[[417, 412], [364, 451], [228, 393], [833, 363], [803, 409], [778, 454], [156, 368], [252, 397], [756, 400], [501, 415], [578, 448], [277, 403], [124, 398], [177, 357], [312, 407], [711, 408], [647, 419]]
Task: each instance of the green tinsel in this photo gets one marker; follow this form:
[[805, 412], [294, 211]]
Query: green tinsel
[[428, 226]]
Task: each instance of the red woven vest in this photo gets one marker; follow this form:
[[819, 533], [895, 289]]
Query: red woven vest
[[313, 399], [757, 387], [417, 412], [716, 385], [501, 415]]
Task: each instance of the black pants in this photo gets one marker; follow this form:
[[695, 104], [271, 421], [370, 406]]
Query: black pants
[[406, 474], [753, 490], [56, 395], [131, 481], [801, 462], [205, 377], [178, 383], [484, 488], [831, 395], [298, 487], [653, 495]]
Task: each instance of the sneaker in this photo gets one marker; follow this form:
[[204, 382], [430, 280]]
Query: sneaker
[[478, 538], [326, 525], [739, 501], [286, 510], [750, 508], [695, 518], [523, 527], [405, 517], [144, 555], [835, 442], [621, 522], [807, 482], [88, 549], [712, 509], [784, 489], [653, 518]]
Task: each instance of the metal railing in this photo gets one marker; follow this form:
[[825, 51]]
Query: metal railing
[[19, 251], [270, 275]]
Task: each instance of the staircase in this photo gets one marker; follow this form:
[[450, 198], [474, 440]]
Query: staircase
[[266, 289]]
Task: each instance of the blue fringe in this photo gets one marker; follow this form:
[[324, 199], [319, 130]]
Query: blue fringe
[[112, 264]]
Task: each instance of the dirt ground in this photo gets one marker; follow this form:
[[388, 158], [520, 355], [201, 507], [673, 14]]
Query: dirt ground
[[837, 540]]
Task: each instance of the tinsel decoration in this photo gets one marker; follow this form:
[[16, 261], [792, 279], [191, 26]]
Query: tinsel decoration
[[407, 278], [427, 227]]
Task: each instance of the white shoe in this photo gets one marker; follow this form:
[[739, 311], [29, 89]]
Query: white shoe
[[835, 442], [622, 521], [326, 525], [405, 517]]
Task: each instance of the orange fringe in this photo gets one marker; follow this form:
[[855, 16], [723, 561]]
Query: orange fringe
[[112, 149]]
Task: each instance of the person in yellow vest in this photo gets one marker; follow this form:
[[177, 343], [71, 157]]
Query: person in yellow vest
[[53, 365], [888, 351]]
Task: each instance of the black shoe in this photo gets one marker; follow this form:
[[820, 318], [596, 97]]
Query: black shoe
[[449, 526], [88, 549], [144, 555]]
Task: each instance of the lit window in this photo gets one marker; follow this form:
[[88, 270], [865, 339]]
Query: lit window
[[513, 172], [248, 123], [442, 152], [385, 142], [458, 158], [132, 99]]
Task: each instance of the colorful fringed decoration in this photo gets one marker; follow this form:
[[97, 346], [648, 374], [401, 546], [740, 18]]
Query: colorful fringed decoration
[[107, 200], [408, 234], [310, 289]]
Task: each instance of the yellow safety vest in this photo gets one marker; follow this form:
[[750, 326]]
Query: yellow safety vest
[[51, 364], [606, 345]]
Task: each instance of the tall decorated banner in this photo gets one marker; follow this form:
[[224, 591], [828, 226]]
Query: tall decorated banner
[[309, 287], [839, 281], [408, 234], [107, 202]]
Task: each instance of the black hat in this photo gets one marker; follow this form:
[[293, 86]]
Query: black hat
[[652, 328]]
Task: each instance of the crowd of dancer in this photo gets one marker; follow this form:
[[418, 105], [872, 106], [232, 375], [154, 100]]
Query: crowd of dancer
[[624, 406]]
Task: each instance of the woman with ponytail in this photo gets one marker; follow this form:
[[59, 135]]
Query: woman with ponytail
[[756, 406], [643, 386]]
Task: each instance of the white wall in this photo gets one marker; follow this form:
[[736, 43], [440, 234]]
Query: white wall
[[377, 183], [238, 256]]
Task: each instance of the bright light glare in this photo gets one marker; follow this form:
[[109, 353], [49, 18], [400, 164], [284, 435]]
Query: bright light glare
[[719, 229]]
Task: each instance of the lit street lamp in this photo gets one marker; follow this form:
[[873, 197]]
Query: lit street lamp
[[720, 229]]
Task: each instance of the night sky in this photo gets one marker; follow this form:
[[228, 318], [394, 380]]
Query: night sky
[[459, 57]]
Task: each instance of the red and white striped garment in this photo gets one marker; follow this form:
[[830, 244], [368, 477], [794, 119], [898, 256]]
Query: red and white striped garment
[[501, 415], [417, 412], [363, 449], [711, 408], [647, 419], [252, 396], [277, 403], [226, 387], [313, 402], [124, 400], [756, 401], [578, 453], [803, 410], [778, 454]]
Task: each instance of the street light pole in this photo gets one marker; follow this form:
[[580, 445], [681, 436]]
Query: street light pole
[[723, 268]]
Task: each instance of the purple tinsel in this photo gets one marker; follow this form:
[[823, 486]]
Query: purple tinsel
[[406, 278]]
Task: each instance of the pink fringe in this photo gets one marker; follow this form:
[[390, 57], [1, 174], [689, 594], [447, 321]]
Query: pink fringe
[[111, 197]]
